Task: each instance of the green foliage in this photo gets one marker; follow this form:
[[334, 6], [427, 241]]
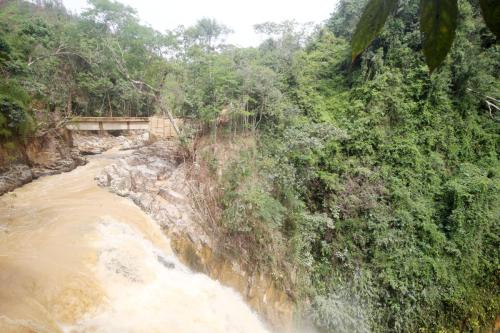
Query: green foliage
[[438, 21], [370, 24], [389, 177], [14, 121], [104, 62], [252, 217], [373, 194], [491, 15], [347, 14], [4, 49], [340, 312], [99, 63], [253, 210]]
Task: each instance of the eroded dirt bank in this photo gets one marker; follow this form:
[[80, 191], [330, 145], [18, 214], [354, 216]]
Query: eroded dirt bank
[[54, 152], [159, 182], [47, 154]]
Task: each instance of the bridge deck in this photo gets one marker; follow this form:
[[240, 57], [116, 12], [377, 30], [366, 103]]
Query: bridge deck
[[155, 125], [108, 123], [108, 119]]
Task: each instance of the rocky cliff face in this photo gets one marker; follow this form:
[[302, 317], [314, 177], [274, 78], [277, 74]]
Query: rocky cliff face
[[160, 184], [48, 154], [91, 144], [56, 151]]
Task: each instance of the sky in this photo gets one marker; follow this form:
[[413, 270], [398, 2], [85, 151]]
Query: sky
[[240, 16]]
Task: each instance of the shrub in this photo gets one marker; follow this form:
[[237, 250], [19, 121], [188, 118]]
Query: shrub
[[14, 119]]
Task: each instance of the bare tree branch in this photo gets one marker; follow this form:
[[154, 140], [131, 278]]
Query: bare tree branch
[[59, 52], [491, 102], [137, 84]]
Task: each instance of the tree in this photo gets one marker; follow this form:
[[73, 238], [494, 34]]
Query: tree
[[207, 33], [438, 22]]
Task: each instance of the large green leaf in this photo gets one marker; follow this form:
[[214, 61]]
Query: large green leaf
[[438, 21], [371, 22], [491, 14]]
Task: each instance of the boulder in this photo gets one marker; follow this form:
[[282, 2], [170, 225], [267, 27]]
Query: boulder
[[17, 175]]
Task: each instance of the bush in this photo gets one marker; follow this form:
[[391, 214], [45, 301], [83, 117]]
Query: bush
[[340, 312], [14, 121]]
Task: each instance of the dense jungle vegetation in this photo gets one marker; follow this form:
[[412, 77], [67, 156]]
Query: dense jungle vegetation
[[373, 192]]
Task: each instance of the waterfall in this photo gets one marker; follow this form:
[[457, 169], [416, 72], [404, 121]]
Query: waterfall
[[76, 258]]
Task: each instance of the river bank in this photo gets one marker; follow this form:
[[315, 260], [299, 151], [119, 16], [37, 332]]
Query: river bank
[[162, 184], [157, 179], [49, 153], [77, 258], [56, 151]]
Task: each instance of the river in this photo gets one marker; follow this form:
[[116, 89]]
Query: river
[[76, 258]]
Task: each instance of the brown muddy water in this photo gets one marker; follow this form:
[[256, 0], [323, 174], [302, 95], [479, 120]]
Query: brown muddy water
[[76, 258]]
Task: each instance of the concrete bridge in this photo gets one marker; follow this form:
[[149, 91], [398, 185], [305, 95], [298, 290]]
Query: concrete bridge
[[156, 125]]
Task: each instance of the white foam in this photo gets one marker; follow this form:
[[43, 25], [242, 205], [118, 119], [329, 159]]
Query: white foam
[[150, 291]]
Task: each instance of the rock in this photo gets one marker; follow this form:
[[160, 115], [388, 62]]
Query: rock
[[59, 150], [165, 262], [52, 153], [117, 177], [17, 175], [153, 179], [170, 195], [90, 144]]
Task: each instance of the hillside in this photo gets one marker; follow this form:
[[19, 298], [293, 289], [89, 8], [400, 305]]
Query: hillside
[[369, 190]]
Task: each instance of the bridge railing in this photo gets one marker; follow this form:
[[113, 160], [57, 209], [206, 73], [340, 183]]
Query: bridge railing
[[158, 126], [162, 127]]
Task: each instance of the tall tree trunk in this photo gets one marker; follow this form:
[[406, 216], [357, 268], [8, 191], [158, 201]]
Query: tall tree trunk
[[110, 108], [165, 111], [69, 110]]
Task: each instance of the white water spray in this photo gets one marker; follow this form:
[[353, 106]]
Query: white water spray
[[75, 258]]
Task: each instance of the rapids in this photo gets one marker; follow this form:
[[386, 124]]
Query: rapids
[[76, 258]]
